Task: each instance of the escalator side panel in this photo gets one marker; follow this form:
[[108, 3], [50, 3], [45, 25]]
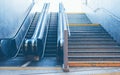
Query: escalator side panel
[[12, 16], [9, 47]]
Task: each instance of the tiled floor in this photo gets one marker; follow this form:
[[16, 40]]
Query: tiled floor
[[58, 71]]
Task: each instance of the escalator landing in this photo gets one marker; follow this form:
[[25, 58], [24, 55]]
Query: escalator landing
[[22, 62], [46, 62]]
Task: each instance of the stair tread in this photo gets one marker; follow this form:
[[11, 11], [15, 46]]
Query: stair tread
[[94, 56], [89, 36], [89, 31], [92, 51], [90, 39], [70, 61], [92, 44]]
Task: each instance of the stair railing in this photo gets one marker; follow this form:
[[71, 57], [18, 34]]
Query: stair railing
[[106, 11], [68, 27], [63, 38]]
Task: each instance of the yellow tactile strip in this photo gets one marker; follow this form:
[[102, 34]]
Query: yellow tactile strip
[[94, 64], [84, 24], [30, 68], [113, 73]]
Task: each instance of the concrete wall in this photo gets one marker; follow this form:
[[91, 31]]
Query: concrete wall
[[12, 15], [107, 13]]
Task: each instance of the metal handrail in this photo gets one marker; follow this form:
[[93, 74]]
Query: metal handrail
[[107, 11], [68, 27], [63, 38]]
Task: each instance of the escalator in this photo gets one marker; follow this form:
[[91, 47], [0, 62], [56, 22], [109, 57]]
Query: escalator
[[35, 33], [51, 44], [30, 32], [32, 26], [49, 55]]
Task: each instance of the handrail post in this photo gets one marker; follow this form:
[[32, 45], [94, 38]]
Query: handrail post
[[65, 48]]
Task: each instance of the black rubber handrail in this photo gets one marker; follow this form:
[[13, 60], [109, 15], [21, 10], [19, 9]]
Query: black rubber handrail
[[38, 26]]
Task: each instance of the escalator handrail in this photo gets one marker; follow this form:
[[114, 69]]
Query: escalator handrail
[[42, 30], [41, 34], [38, 26]]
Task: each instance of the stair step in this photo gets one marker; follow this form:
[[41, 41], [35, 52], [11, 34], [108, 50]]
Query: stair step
[[93, 54], [50, 55], [94, 58], [94, 47], [90, 39], [94, 51], [76, 45], [92, 43], [88, 31], [73, 40], [85, 27], [90, 36]]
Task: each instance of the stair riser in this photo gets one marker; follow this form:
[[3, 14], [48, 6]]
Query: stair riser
[[95, 59]]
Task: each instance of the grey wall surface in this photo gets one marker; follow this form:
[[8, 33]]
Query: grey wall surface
[[12, 15], [107, 13]]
